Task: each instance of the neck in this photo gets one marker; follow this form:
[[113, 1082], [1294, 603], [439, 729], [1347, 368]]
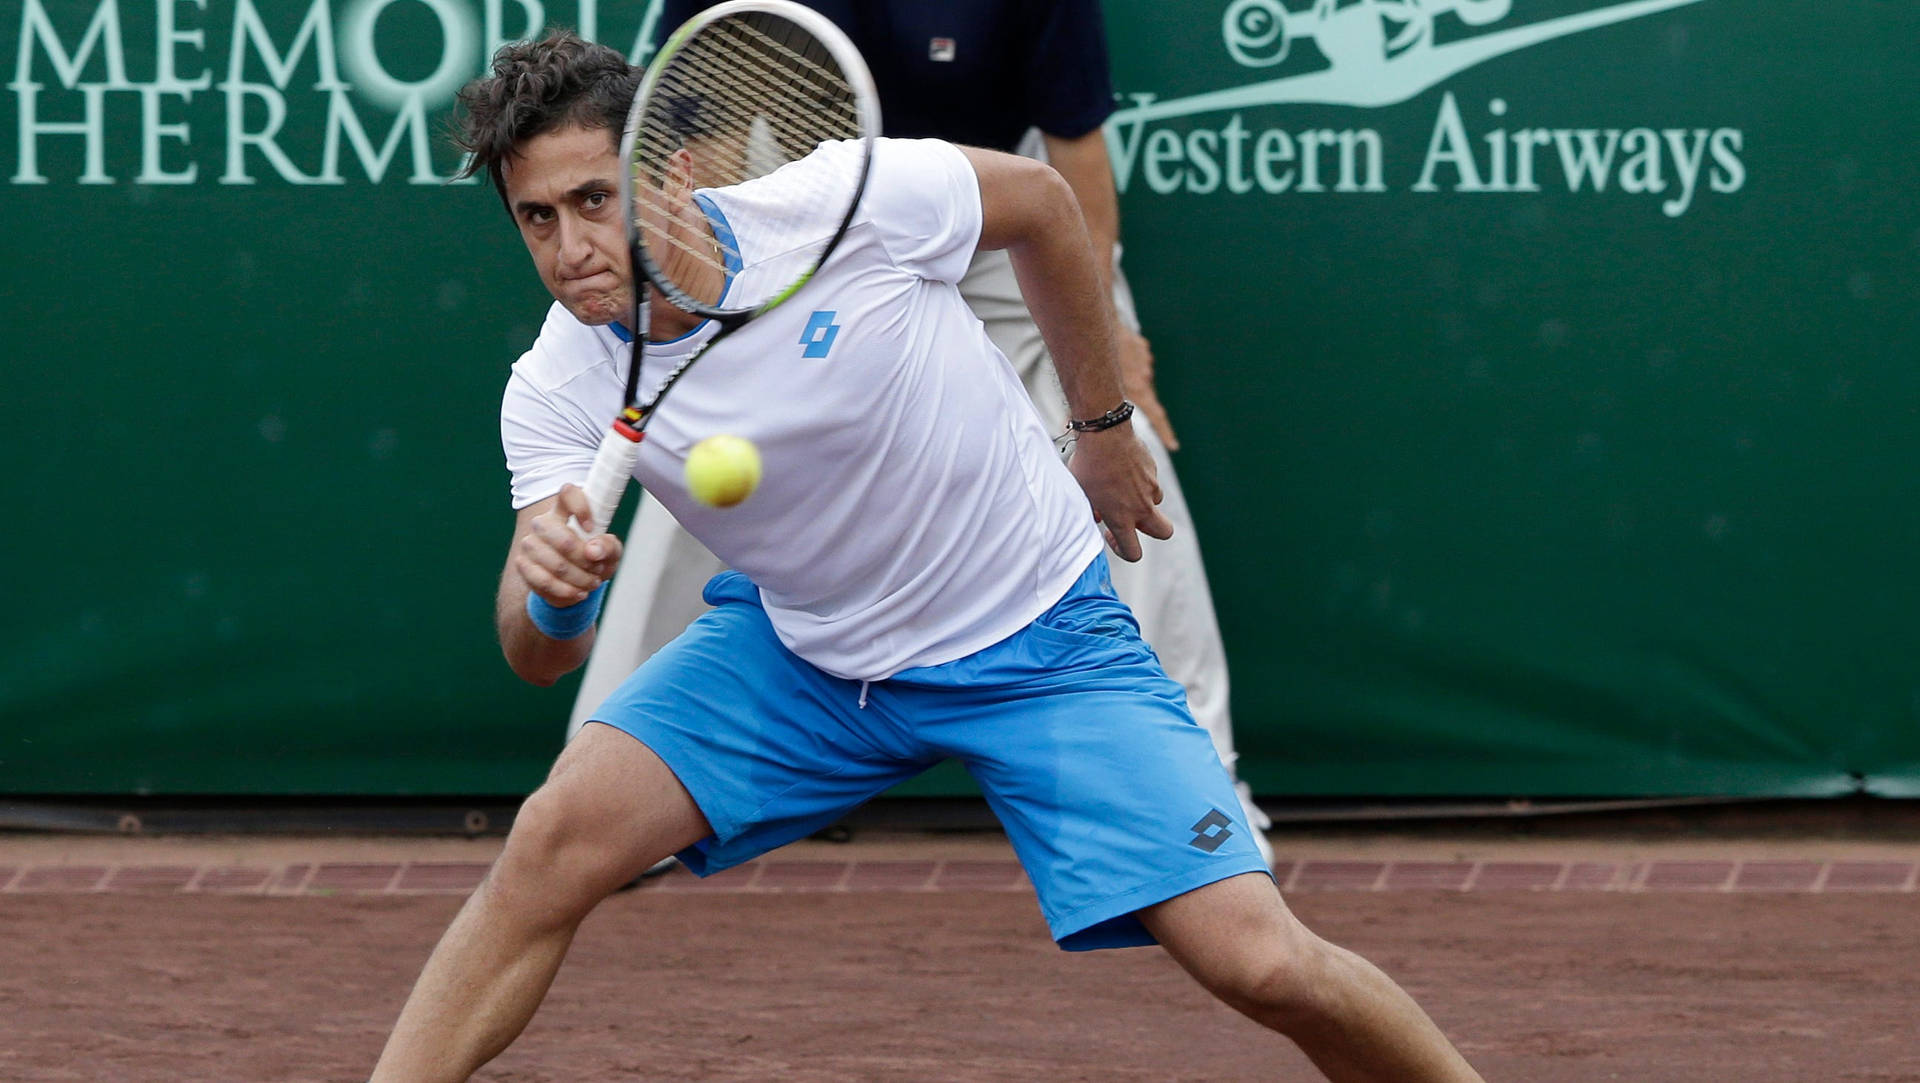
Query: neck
[[666, 323]]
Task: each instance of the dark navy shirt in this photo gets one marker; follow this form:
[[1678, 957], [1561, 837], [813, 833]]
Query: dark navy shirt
[[978, 72]]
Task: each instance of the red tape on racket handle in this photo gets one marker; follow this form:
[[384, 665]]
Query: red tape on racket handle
[[607, 480]]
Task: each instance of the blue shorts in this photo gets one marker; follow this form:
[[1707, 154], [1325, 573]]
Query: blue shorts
[[1111, 794]]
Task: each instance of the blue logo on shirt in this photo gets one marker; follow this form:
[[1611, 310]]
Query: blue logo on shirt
[[819, 335]]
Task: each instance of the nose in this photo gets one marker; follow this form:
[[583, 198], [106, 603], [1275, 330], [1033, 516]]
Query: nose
[[575, 247]]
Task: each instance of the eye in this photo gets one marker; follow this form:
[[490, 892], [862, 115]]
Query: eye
[[595, 200]]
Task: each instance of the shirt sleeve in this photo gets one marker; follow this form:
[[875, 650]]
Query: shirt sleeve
[[1069, 87], [924, 201], [544, 448]]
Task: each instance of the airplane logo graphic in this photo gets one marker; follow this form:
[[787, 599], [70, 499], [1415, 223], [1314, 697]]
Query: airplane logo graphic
[[1378, 52]]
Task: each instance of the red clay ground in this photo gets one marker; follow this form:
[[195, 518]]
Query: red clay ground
[[925, 959]]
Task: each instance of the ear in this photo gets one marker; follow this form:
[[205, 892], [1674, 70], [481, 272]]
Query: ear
[[679, 180]]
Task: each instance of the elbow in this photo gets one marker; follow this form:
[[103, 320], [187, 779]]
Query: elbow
[[1053, 197], [1023, 202], [537, 667], [536, 677], [1048, 215]]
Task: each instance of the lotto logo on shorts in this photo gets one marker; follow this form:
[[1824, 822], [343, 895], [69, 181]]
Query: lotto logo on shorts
[[819, 335], [1213, 830]]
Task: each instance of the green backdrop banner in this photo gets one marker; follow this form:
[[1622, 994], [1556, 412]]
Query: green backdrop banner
[[1546, 370]]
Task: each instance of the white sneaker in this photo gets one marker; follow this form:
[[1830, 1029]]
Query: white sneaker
[[661, 868]]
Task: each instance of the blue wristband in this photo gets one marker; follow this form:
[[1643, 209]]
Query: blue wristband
[[570, 622]]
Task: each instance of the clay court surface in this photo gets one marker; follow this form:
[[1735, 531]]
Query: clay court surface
[[922, 957]]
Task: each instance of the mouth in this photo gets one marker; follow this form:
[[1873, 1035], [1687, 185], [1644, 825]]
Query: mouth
[[595, 298]]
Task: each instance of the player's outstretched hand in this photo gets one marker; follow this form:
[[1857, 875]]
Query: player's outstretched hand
[[557, 563], [1117, 472]]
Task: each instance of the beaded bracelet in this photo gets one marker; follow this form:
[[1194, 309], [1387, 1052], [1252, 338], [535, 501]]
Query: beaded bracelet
[[1116, 416]]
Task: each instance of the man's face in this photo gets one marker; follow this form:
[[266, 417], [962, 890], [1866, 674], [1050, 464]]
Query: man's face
[[564, 190]]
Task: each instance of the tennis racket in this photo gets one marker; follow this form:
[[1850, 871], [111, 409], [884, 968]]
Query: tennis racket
[[738, 92]]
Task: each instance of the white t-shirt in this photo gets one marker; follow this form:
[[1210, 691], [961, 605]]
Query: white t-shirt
[[912, 508]]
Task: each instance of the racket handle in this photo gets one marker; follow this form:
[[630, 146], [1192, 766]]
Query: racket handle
[[607, 480]]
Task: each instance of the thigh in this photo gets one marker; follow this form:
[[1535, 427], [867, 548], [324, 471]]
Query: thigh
[[1111, 794], [770, 748], [1114, 800]]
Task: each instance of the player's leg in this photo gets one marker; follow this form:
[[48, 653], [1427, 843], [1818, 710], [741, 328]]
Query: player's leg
[[1239, 940], [609, 809], [1167, 587], [654, 598], [724, 745], [1124, 819], [1112, 797]]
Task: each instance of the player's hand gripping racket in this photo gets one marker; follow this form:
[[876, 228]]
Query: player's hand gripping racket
[[739, 91]]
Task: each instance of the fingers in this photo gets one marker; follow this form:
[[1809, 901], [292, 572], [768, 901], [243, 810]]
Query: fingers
[[544, 563], [598, 548], [573, 504], [1118, 475], [1156, 525], [556, 563], [1125, 543]]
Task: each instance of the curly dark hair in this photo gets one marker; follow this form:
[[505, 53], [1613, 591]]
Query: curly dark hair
[[537, 87]]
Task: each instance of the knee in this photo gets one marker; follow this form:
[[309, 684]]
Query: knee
[[1284, 982], [553, 859]]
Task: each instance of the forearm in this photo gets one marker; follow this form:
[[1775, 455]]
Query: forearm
[[1082, 162], [534, 656], [1027, 209], [1066, 287]]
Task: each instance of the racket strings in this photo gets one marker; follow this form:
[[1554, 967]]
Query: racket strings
[[744, 97], [786, 99]]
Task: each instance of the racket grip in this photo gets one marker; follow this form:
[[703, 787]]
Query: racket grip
[[607, 480]]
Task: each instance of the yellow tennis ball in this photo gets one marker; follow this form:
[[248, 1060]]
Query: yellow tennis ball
[[723, 470]]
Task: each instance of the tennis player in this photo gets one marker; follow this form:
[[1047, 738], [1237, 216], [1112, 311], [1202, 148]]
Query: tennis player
[[918, 577], [1028, 76]]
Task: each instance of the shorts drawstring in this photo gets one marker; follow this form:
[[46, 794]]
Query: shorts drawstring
[[863, 694]]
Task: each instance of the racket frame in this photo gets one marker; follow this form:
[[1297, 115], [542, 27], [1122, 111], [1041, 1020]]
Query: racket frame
[[619, 449], [867, 111]]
